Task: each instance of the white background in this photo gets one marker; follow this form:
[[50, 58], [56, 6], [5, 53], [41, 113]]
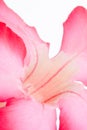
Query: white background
[[47, 16]]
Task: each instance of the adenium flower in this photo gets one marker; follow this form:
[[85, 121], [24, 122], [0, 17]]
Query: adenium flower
[[32, 85]]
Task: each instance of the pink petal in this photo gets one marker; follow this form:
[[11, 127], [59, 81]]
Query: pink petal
[[12, 53], [27, 115], [75, 40], [73, 111]]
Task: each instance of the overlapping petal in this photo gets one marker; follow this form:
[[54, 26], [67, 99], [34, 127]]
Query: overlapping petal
[[73, 106], [73, 110], [75, 40], [12, 54], [27, 115]]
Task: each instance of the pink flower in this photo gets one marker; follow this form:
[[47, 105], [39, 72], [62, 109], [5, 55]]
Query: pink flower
[[32, 85]]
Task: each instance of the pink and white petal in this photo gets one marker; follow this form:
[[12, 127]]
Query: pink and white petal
[[12, 53], [27, 115], [73, 111], [75, 40]]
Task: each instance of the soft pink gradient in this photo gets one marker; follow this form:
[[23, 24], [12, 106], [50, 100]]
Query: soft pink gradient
[[12, 53], [26, 115], [73, 115], [30, 81], [75, 40]]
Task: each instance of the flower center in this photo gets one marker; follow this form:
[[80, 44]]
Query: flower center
[[55, 79]]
